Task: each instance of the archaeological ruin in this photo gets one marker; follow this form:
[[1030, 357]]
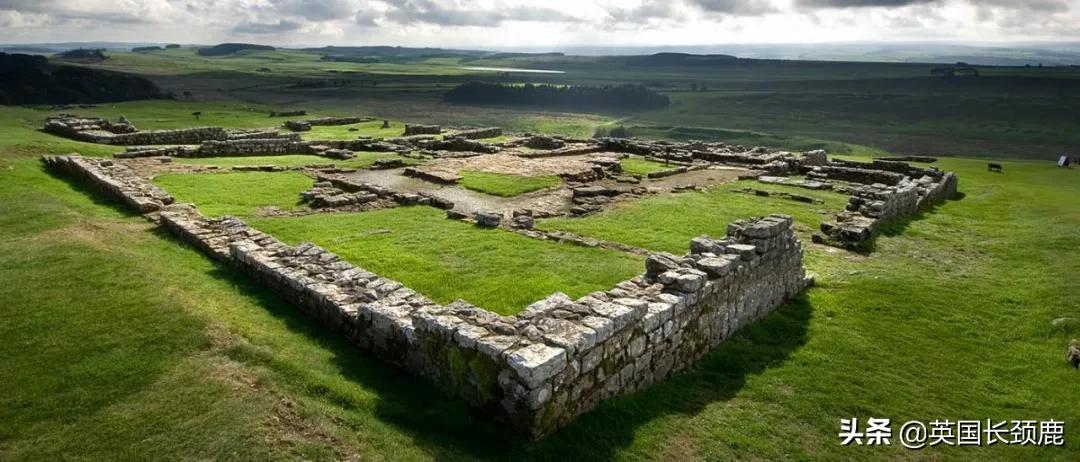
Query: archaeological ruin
[[559, 357]]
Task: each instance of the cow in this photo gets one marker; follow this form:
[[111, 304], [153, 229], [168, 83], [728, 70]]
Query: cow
[[993, 167]]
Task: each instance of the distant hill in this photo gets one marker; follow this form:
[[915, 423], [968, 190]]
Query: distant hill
[[680, 59], [29, 79], [230, 48], [395, 52]]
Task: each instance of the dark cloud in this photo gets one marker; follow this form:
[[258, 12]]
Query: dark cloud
[[59, 11], [651, 10], [316, 10], [432, 12], [736, 7], [281, 26], [1045, 6], [860, 3]]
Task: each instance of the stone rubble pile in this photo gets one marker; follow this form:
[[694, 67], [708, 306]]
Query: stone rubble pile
[[589, 199], [324, 194], [458, 144], [297, 125], [352, 186]]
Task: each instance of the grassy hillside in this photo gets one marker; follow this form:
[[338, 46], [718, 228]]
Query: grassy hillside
[[1016, 112], [119, 341]]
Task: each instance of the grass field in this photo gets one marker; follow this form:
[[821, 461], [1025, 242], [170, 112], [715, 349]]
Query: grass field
[[647, 223], [359, 160], [119, 341], [240, 194], [641, 167], [448, 259], [498, 184]]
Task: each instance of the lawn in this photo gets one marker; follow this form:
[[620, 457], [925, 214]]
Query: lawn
[[498, 184], [236, 193], [342, 132], [648, 222], [360, 160], [448, 259], [641, 167]]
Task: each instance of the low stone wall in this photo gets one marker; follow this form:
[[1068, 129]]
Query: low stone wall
[[558, 358], [873, 204], [249, 147], [114, 179], [412, 129], [338, 120], [480, 133], [864, 174], [96, 130]]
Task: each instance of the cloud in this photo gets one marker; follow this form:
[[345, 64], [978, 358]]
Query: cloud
[[454, 14], [861, 3], [736, 7], [316, 10], [279, 27]]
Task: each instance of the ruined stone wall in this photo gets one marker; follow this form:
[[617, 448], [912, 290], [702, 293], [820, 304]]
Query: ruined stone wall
[[873, 204], [96, 130], [557, 359], [114, 179], [413, 129], [538, 370], [863, 175], [338, 120], [480, 133], [249, 147]]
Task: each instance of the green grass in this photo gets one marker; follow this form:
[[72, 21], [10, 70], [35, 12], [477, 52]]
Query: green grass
[[240, 193], [648, 222], [120, 342], [341, 132], [642, 167], [360, 160], [498, 184], [448, 259]]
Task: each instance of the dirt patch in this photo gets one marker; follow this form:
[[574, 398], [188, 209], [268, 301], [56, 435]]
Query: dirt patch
[[513, 165], [150, 167]]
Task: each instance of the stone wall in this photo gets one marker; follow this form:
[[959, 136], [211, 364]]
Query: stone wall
[[536, 371], [413, 129], [250, 147], [95, 130], [480, 133], [116, 180], [560, 357], [871, 205], [338, 120]]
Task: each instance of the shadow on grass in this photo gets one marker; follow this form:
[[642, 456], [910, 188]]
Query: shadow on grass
[[443, 426], [898, 226], [96, 195]]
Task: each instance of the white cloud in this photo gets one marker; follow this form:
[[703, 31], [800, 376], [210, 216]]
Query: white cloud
[[505, 23]]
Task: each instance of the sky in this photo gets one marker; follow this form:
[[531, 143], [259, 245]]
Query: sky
[[500, 24]]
